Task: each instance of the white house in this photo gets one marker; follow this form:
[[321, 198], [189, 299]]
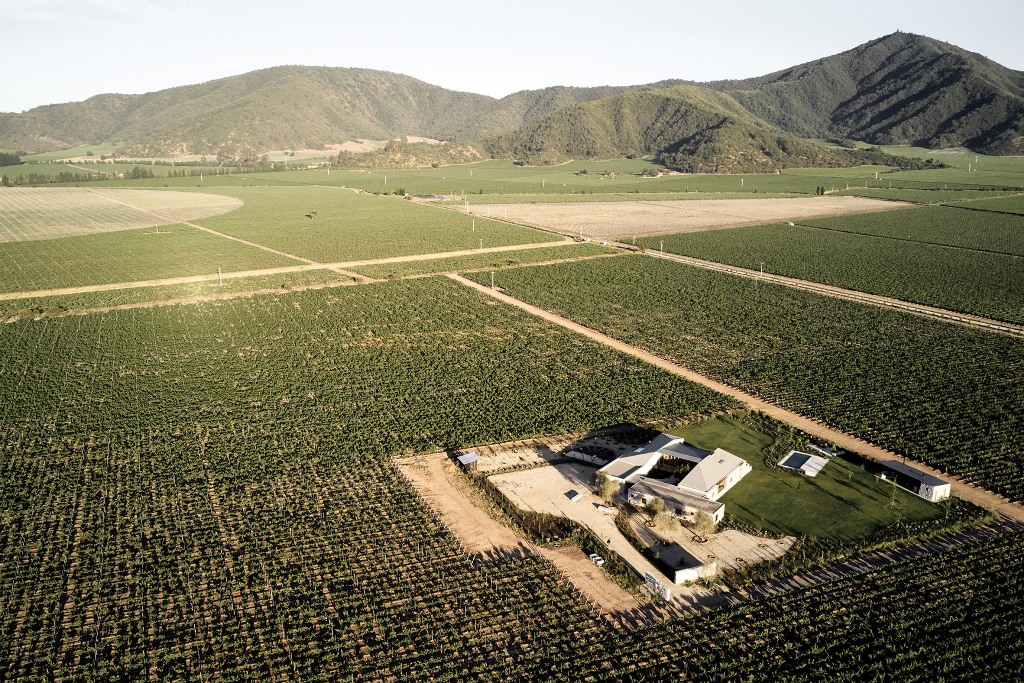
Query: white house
[[914, 480], [713, 473]]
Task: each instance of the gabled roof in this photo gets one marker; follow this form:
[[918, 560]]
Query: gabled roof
[[711, 470], [914, 473], [673, 496], [628, 465], [685, 451], [659, 442]]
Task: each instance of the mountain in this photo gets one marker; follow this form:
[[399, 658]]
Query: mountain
[[684, 126], [900, 89], [279, 108]]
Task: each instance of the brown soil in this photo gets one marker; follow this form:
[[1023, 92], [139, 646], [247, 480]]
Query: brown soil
[[462, 508], [604, 220]]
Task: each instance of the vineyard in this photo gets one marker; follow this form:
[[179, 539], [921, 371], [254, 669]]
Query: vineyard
[[944, 395], [1013, 204], [35, 214], [497, 260], [331, 225], [978, 282], [144, 254], [936, 225], [205, 491]]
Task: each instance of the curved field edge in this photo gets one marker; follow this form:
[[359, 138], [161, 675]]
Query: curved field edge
[[941, 394]]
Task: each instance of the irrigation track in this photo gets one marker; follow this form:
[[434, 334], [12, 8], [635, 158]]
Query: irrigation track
[[967, 319], [336, 267], [960, 488], [686, 606]]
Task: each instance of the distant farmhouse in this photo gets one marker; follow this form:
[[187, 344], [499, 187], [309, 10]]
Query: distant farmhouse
[[914, 480], [687, 478]]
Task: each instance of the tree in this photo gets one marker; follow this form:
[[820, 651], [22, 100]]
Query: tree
[[5, 181], [607, 487], [703, 524], [8, 159], [661, 518]]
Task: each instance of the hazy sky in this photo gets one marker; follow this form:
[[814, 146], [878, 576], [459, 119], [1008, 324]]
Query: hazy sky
[[67, 50]]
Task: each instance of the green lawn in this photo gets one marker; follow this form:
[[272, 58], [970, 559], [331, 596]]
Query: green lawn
[[844, 502]]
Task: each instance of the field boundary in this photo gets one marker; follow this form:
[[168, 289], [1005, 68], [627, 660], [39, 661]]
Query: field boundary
[[968, 319], [970, 492]]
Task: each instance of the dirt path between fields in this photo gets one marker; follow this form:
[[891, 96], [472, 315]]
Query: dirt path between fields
[[962, 489], [977, 321], [464, 511], [338, 267]]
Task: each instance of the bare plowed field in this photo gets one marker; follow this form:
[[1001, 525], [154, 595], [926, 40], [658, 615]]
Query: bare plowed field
[[41, 213], [606, 220]]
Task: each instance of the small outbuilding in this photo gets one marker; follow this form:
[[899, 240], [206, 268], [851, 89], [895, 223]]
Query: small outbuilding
[[914, 480]]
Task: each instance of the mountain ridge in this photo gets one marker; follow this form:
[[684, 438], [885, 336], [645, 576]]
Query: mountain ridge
[[898, 89]]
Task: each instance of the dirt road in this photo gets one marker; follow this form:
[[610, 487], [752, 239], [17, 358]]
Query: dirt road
[[987, 324], [964, 490], [461, 507]]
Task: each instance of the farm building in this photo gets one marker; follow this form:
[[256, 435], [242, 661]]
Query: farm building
[[687, 478], [680, 503], [914, 480], [807, 463]]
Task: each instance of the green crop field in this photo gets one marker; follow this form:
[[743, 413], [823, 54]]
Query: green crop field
[[205, 490], [945, 395], [954, 227], [348, 226], [1013, 204], [143, 254], [953, 616], [56, 304], [978, 282], [922, 196], [496, 260]]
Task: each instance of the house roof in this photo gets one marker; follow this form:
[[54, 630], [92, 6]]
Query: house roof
[[628, 465], [685, 451], [711, 470], [914, 473], [658, 443], [673, 496]]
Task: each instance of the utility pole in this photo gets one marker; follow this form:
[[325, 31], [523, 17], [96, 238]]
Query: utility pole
[[492, 279], [481, 246]]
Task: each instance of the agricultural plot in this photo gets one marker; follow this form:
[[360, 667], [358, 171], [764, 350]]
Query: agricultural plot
[[625, 219], [923, 196], [979, 282], [333, 225], [945, 395], [204, 490], [953, 616], [209, 288], [495, 260], [131, 255], [1014, 204], [48, 213], [953, 227]]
